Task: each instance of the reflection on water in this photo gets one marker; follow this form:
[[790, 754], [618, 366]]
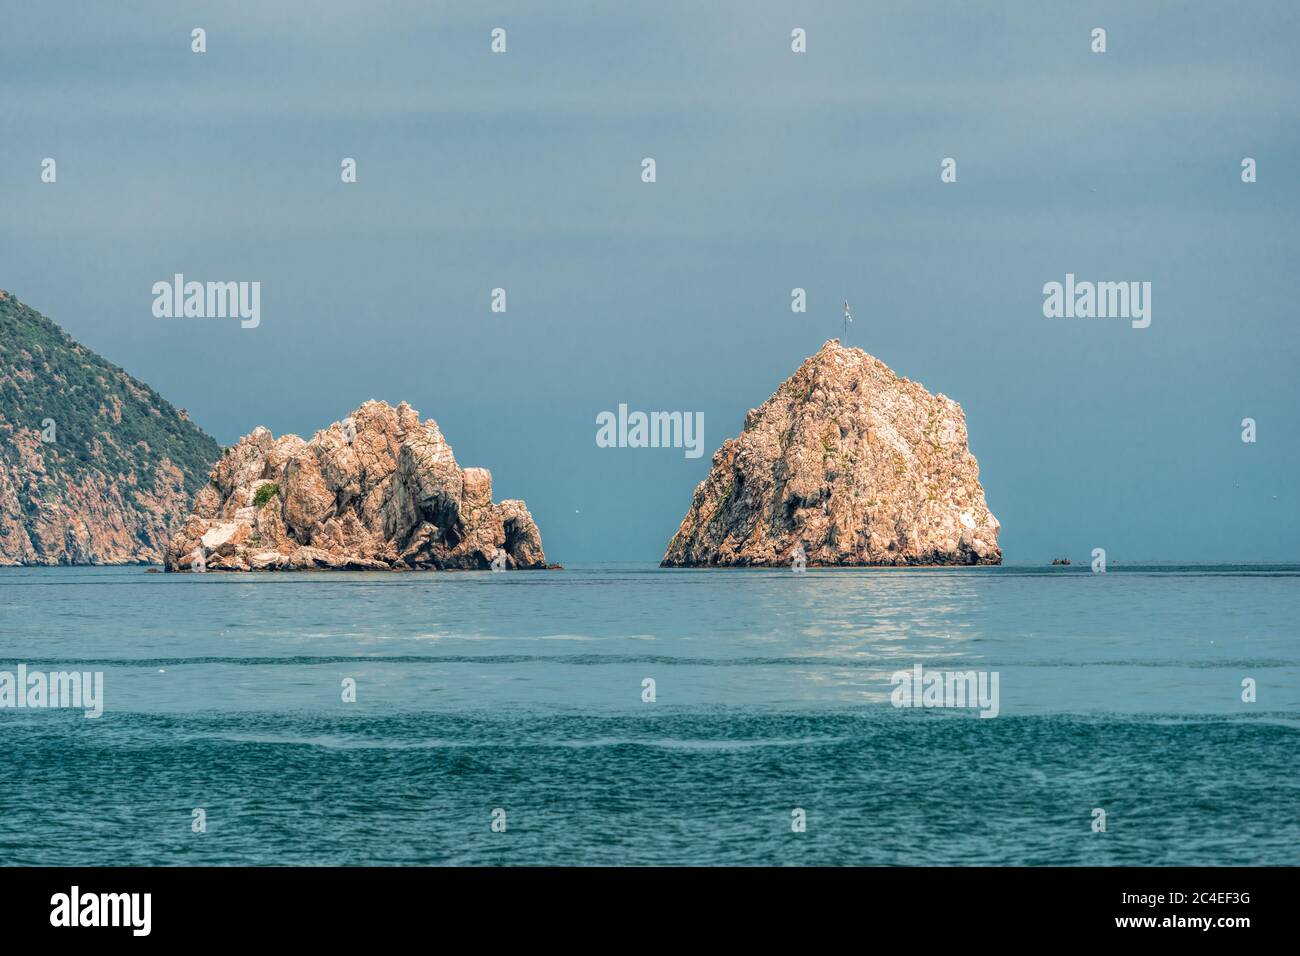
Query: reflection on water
[[523, 690]]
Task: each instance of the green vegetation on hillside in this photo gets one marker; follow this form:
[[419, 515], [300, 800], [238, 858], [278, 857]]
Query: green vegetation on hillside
[[105, 420], [265, 494]]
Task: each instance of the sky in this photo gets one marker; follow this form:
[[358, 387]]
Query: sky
[[774, 171]]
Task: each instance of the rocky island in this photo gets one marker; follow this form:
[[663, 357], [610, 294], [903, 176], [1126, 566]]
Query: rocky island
[[378, 490], [846, 465]]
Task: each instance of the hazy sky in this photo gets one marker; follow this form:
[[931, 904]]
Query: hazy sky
[[775, 170]]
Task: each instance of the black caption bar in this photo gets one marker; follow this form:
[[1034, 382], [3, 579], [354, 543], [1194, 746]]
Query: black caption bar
[[370, 904]]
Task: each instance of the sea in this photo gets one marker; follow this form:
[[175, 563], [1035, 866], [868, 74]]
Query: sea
[[631, 715]]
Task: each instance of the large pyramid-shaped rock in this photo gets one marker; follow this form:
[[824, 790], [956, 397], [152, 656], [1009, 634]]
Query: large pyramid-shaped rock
[[855, 464], [379, 490]]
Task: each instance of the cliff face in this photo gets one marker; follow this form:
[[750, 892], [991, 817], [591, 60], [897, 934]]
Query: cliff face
[[379, 490], [855, 464], [95, 467]]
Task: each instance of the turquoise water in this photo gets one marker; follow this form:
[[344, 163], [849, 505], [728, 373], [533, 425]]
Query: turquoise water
[[523, 691]]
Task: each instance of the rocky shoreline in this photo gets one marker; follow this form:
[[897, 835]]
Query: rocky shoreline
[[847, 464]]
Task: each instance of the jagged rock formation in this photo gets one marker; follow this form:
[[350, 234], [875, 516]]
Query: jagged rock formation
[[379, 490], [95, 467], [850, 462]]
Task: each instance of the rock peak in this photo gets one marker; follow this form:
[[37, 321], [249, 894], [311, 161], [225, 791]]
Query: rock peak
[[848, 464]]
